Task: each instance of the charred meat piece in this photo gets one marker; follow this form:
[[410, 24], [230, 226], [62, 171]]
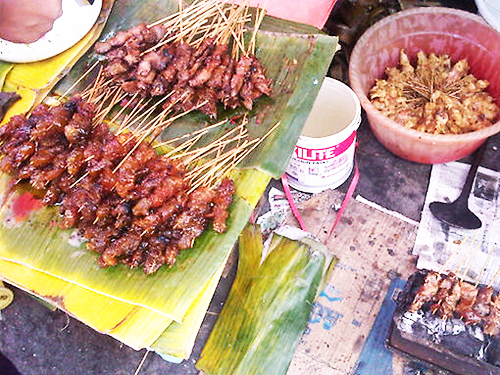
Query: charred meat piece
[[467, 300], [482, 304], [427, 291], [241, 71], [445, 288], [492, 322], [223, 198], [449, 303]]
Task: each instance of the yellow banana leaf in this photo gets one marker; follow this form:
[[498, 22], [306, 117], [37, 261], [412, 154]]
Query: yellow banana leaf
[[178, 339], [134, 326], [63, 295], [4, 69]]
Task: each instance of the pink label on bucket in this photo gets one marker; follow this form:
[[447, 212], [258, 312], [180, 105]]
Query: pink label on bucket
[[318, 154]]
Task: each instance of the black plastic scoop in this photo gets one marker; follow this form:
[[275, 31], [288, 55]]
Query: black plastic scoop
[[457, 213]]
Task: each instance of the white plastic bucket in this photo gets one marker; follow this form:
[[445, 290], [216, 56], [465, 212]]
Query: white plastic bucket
[[324, 154]]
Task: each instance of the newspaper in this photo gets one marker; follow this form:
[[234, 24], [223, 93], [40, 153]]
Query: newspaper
[[471, 254]]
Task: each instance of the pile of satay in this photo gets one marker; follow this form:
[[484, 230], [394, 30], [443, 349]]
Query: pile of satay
[[450, 297], [132, 205], [192, 77]]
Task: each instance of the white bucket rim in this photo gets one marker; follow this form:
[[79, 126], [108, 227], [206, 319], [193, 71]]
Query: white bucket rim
[[351, 127]]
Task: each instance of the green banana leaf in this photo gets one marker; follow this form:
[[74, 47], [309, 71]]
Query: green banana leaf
[[296, 57], [268, 306], [37, 244]]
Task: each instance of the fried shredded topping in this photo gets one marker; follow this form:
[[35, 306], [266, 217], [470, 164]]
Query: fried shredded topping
[[434, 96]]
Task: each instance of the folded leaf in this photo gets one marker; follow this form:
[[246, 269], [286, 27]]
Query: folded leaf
[[267, 308]]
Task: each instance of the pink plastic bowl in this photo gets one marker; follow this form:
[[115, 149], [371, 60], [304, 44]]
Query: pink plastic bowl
[[448, 31]]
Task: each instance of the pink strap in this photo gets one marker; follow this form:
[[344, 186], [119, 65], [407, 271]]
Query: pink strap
[[347, 198], [345, 202], [289, 197]]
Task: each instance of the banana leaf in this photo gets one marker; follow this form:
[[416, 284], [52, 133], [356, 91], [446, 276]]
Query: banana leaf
[[295, 56], [134, 326], [60, 293], [178, 339], [4, 69], [33, 81], [268, 306], [36, 244]]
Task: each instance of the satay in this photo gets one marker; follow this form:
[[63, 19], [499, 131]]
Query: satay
[[427, 291], [457, 298], [483, 302], [467, 299], [445, 288], [447, 297], [491, 324], [193, 77], [135, 208]]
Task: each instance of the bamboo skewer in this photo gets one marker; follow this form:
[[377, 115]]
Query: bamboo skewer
[[143, 117], [194, 7], [185, 145], [80, 179], [103, 112], [230, 28], [249, 150], [215, 144], [131, 116], [190, 156], [97, 84], [494, 278], [207, 128], [469, 262], [465, 254], [258, 21], [125, 107], [484, 266], [87, 72]]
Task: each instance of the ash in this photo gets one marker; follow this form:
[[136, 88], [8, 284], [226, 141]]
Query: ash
[[451, 334]]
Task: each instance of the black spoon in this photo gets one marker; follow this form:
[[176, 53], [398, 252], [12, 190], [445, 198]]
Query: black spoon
[[457, 213]]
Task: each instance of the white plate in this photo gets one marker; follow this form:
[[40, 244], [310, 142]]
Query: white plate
[[490, 10], [75, 21]]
